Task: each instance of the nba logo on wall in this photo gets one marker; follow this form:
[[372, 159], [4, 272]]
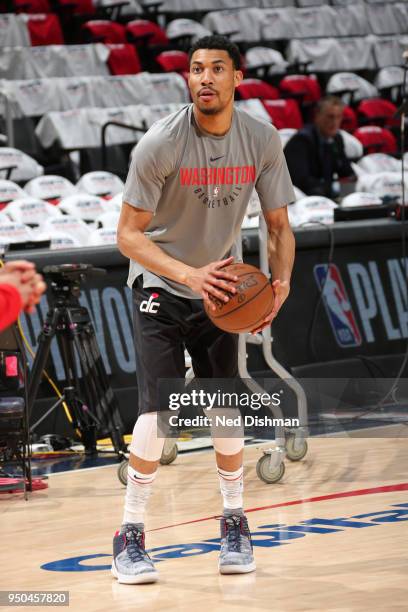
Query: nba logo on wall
[[337, 305]]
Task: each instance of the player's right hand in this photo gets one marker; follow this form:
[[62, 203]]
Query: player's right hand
[[212, 280]]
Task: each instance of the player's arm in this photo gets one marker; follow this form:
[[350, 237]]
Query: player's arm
[[133, 243], [275, 189]]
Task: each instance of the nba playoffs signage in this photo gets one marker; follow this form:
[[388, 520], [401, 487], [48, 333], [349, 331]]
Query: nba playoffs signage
[[368, 286]]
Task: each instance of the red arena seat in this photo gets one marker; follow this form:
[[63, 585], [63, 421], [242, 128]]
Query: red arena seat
[[377, 111], [32, 6], [376, 140], [123, 59], [45, 30], [302, 87], [349, 121], [284, 113], [147, 32], [173, 61], [256, 88], [78, 7], [103, 30]]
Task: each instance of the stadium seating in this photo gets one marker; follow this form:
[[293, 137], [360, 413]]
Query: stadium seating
[[103, 30], [173, 61], [284, 113], [50, 187], [377, 112], [130, 71], [31, 211], [9, 191], [376, 140], [256, 88]]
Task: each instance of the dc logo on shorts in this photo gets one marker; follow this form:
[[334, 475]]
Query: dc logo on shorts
[[149, 305], [337, 305]]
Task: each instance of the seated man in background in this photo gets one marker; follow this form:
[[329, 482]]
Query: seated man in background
[[315, 154], [20, 288]]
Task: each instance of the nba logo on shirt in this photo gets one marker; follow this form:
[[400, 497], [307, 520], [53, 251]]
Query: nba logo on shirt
[[149, 305], [337, 305]]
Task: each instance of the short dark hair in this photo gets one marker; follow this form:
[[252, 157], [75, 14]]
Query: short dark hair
[[328, 100], [215, 41]]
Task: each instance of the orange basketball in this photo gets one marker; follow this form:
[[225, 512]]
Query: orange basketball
[[248, 307]]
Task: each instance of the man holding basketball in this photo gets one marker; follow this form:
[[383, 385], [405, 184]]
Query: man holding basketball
[[186, 194]]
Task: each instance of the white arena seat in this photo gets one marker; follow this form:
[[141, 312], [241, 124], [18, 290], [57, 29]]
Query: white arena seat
[[265, 4], [186, 27], [54, 61], [102, 236], [266, 58], [115, 203], [67, 224], [390, 79], [50, 187], [350, 82], [333, 54], [101, 183], [298, 193], [35, 97], [13, 31], [9, 191], [25, 167], [84, 206], [240, 24], [81, 128], [383, 184], [277, 23], [286, 134], [254, 107], [183, 6], [31, 211], [378, 162], [360, 198], [352, 146], [108, 220], [312, 209], [387, 50], [383, 19], [59, 240], [11, 232], [314, 21]]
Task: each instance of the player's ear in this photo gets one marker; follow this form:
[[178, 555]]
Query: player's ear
[[238, 76]]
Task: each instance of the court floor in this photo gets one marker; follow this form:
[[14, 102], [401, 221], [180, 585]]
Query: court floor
[[332, 535]]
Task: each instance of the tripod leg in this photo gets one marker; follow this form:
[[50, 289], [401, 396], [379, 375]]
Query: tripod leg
[[111, 409], [41, 355]]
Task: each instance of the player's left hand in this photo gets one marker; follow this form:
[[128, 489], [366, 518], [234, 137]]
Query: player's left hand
[[281, 291]]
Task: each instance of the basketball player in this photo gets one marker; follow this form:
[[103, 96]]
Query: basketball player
[[189, 183]]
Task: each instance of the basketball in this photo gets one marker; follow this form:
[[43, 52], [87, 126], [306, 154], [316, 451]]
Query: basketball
[[248, 307]]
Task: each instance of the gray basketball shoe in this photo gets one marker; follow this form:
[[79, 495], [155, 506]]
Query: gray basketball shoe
[[236, 556], [131, 564]]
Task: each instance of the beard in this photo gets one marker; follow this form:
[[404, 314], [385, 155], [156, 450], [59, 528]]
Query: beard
[[205, 110], [210, 111]]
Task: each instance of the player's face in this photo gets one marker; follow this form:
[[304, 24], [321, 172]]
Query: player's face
[[212, 80], [328, 120]]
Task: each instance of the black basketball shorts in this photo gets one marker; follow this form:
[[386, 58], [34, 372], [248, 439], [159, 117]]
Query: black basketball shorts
[[164, 324]]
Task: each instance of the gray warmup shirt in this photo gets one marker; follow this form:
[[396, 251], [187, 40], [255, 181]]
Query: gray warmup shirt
[[198, 186]]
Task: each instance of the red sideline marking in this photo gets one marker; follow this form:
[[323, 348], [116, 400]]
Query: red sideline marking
[[385, 489]]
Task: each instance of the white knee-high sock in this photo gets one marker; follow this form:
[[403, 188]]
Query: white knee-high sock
[[148, 446], [232, 486], [138, 491]]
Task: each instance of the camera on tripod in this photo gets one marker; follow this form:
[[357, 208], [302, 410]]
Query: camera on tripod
[[65, 279], [92, 404]]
